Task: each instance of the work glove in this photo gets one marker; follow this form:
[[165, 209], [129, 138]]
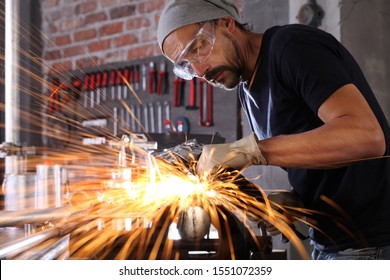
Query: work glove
[[236, 155], [288, 204]]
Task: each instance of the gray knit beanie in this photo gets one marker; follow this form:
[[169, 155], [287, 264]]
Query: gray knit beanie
[[179, 13]]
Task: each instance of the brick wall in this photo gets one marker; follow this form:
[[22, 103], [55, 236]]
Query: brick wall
[[84, 33], [79, 34]]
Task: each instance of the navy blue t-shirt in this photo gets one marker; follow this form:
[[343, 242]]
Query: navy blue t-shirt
[[299, 68]]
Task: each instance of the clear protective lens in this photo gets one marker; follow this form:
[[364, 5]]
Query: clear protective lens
[[197, 51], [184, 70]]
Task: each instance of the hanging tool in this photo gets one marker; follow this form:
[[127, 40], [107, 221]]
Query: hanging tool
[[167, 116], [119, 83], [144, 74], [76, 86], [159, 117], [162, 85], [132, 76], [152, 117], [85, 89], [182, 125], [115, 124], [132, 120], [139, 117], [76, 83], [122, 118], [192, 102], [206, 103], [54, 105], [127, 122], [98, 86], [152, 77], [136, 77], [146, 118], [178, 92], [105, 85], [112, 83], [92, 89], [126, 76]]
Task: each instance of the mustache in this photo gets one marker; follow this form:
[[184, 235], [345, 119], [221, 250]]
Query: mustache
[[211, 74]]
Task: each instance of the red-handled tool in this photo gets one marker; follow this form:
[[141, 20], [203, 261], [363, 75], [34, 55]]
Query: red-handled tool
[[98, 86], [112, 83], [76, 86], [92, 89], [206, 103], [85, 90], [162, 85], [54, 96], [132, 76], [152, 78], [105, 85], [144, 74], [178, 86], [119, 83], [136, 77], [126, 76], [192, 102]]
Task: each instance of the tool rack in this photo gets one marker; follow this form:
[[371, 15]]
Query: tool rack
[[111, 97]]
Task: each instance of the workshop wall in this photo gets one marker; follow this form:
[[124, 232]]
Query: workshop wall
[[86, 33], [83, 34], [84, 37]]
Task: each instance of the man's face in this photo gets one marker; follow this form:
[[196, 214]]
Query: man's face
[[218, 62]]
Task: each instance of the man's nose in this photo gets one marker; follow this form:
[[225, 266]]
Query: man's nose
[[200, 69]]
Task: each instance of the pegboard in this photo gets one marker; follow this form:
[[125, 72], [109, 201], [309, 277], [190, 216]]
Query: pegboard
[[112, 108]]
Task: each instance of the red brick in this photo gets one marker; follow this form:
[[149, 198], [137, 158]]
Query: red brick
[[114, 3], [52, 55], [85, 7], [95, 17], [53, 28], [151, 6], [112, 57], [99, 45], [49, 3], [141, 52], [84, 35], [62, 40], [123, 11], [87, 62], [137, 23], [71, 24], [125, 40], [149, 35], [112, 28], [73, 51], [61, 67]]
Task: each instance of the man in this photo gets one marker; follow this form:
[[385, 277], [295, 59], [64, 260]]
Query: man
[[312, 113]]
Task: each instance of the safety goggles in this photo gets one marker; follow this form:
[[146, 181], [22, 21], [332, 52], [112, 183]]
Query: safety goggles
[[196, 51]]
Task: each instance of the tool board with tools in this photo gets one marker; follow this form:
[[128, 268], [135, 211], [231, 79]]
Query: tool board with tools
[[145, 96]]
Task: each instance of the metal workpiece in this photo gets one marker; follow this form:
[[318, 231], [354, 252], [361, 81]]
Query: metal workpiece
[[34, 216]]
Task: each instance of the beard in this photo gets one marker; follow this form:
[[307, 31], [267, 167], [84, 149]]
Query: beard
[[231, 77]]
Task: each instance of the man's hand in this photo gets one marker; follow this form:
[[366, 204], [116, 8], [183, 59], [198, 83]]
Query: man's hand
[[236, 155]]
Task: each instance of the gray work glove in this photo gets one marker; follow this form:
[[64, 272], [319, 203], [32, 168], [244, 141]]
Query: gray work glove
[[236, 155]]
